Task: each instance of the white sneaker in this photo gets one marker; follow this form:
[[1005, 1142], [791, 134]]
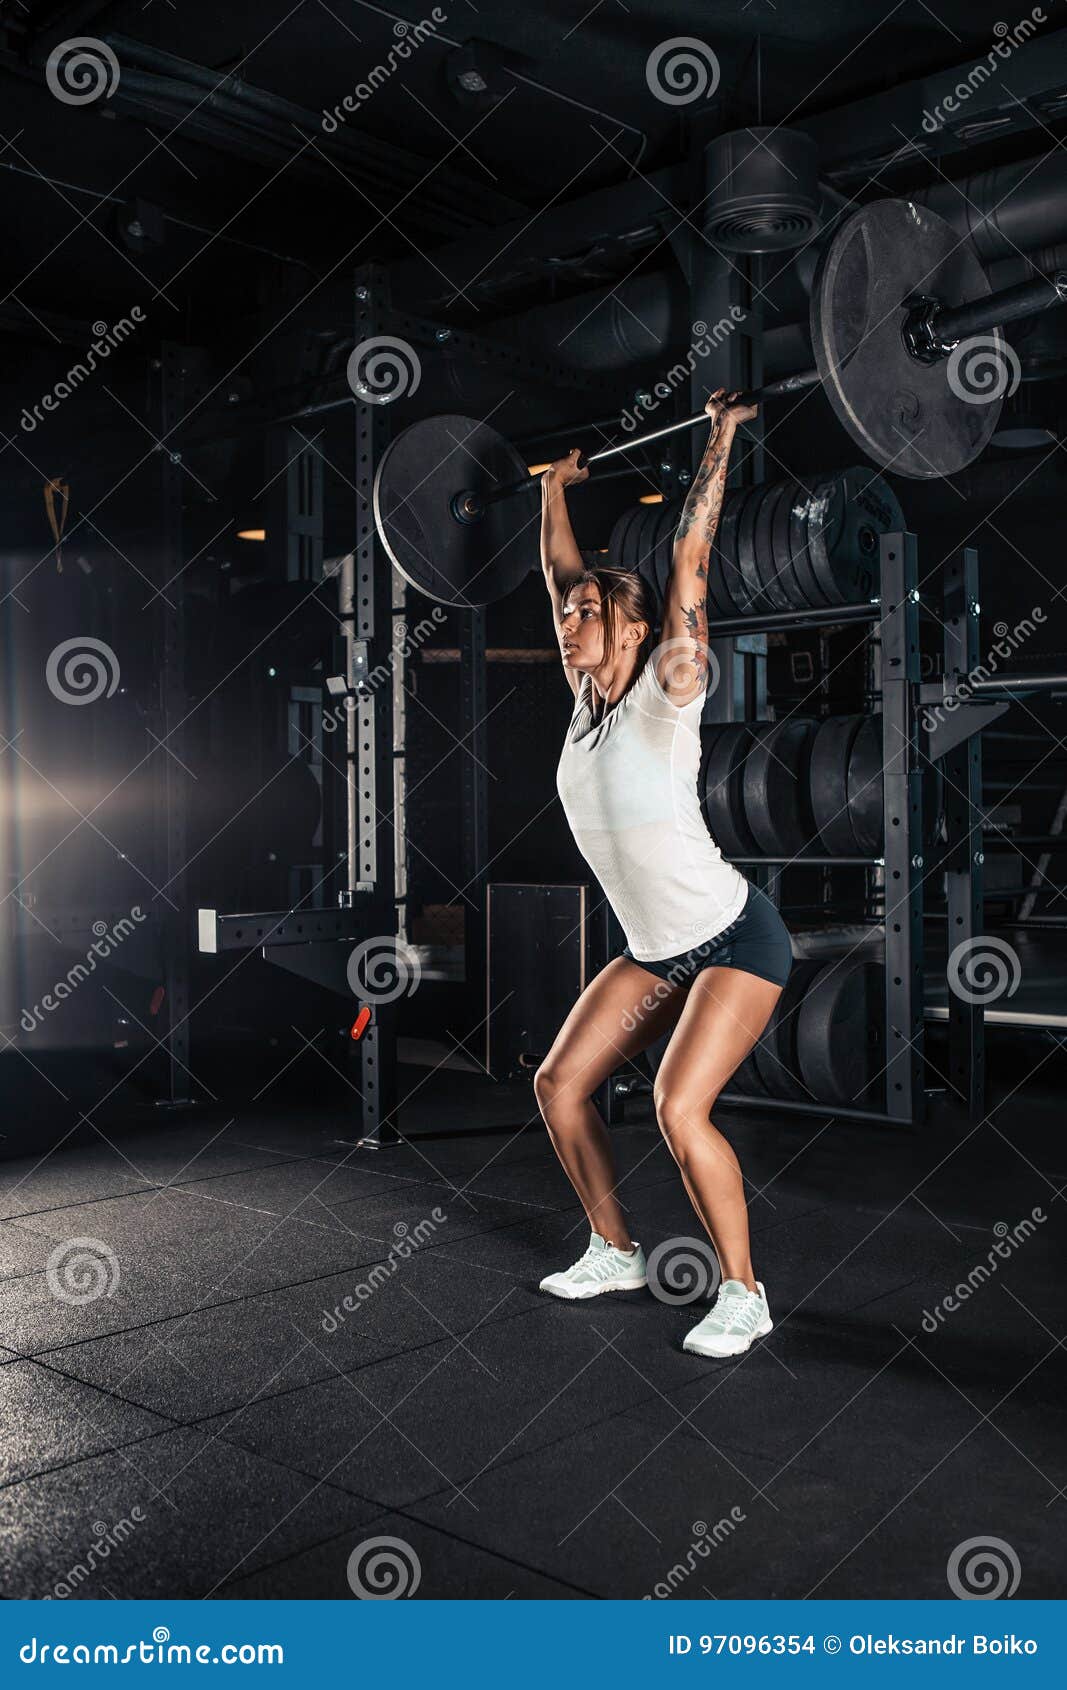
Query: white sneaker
[[602, 1268], [739, 1315]]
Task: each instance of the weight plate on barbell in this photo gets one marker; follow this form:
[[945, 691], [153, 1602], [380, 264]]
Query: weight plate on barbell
[[830, 753], [725, 747], [418, 474], [919, 420], [775, 785], [841, 1030], [767, 566], [776, 1054]]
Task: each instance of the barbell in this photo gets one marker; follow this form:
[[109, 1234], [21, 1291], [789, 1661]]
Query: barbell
[[916, 382]]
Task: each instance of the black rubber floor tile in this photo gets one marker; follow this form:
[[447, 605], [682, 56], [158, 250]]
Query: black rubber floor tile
[[403, 1428], [22, 1250], [64, 1177], [46, 1310], [981, 1491], [217, 1359], [188, 1515], [615, 1511], [178, 1155], [432, 1215], [309, 1189], [527, 1251], [432, 1565], [46, 1421], [210, 1251], [834, 1259]]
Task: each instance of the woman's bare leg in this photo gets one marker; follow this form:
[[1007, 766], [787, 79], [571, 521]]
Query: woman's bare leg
[[620, 1013], [724, 1014]]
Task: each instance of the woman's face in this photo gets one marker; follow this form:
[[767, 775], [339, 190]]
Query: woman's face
[[581, 635]]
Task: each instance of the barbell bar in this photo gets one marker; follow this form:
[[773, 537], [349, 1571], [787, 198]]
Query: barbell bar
[[882, 327], [931, 331]]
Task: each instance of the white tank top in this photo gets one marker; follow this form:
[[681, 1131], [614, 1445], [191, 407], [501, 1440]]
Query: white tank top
[[628, 786]]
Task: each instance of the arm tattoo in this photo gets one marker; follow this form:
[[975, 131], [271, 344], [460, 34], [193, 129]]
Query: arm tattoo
[[704, 502]]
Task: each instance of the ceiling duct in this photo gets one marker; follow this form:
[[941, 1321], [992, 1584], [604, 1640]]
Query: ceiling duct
[[764, 190]]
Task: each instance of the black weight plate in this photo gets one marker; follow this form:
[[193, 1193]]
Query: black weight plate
[[464, 563], [774, 588], [725, 747], [865, 787], [775, 786], [619, 544], [869, 509], [825, 505], [917, 420], [799, 512], [665, 530], [841, 1030], [746, 1079], [785, 564], [748, 575], [644, 551], [722, 556], [830, 753], [776, 1054]]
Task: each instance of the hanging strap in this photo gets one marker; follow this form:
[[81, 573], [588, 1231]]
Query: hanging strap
[[57, 492]]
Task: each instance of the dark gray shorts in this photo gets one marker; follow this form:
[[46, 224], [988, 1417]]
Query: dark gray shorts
[[757, 942]]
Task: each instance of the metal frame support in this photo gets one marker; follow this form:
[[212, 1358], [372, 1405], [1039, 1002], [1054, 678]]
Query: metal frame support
[[902, 784], [369, 733], [963, 828]]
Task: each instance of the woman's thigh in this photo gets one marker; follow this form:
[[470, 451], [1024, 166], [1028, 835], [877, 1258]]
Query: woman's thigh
[[621, 1012], [724, 1014]]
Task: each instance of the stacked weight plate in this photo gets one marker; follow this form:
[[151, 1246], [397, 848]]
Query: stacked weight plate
[[798, 786], [825, 1041], [800, 544]]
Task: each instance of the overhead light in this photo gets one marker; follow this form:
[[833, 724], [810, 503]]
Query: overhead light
[[251, 533], [650, 499]]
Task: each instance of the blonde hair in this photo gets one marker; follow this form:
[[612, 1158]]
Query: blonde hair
[[625, 596]]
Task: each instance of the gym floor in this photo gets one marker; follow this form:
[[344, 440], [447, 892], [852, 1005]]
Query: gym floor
[[237, 1430]]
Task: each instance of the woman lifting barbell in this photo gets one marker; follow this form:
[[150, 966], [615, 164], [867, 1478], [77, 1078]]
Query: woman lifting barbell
[[715, 944]]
